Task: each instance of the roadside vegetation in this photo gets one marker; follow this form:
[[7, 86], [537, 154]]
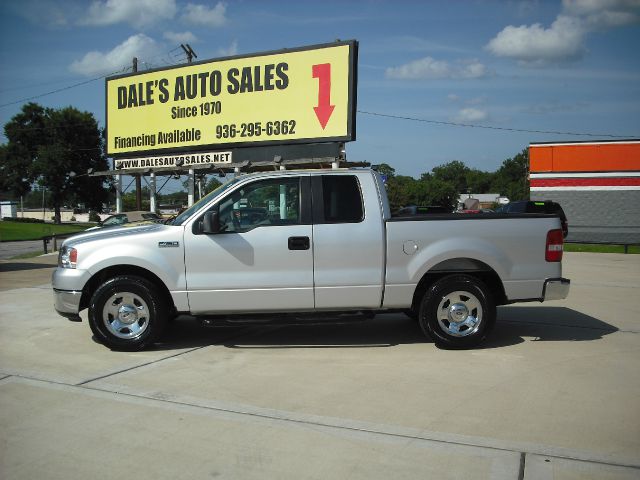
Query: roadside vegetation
[[57, 150], [444, 184], [14, 231], [596, 248]]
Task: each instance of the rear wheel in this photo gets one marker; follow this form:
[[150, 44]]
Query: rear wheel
[[126, 313], [457, 311]]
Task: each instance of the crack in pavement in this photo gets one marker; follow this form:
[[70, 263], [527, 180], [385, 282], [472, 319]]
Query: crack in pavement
[[251, 331]]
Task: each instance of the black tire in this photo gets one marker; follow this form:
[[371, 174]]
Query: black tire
[[457, 311], [126, 313]]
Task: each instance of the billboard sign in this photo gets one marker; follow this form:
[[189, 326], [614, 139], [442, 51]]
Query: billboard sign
[[303, 95]]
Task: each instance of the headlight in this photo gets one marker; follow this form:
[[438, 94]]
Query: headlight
[[68, 257]]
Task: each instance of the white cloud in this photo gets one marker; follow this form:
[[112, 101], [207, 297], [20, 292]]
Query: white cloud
[[471, 115], [604, 14], [138, 13], [429, 68], [564, 40], [180, 37], [229, 51], [455, 98], [473, 69], [203, 15], [99, 63], [425, 68]]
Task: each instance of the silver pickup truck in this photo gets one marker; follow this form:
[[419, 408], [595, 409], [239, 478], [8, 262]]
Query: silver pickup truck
[[308, 244]]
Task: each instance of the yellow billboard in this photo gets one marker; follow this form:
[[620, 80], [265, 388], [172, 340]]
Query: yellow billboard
[[292, 96]]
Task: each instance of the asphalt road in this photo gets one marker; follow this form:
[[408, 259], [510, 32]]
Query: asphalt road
[[554, 393], [12, 249]]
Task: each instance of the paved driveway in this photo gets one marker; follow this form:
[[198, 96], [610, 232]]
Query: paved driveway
[[12, 249], [555, 393]]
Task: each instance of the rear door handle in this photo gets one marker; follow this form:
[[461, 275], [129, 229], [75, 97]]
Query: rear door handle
[[299, 243]]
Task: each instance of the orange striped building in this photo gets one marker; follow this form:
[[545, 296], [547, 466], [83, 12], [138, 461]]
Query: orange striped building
[[597, 184]]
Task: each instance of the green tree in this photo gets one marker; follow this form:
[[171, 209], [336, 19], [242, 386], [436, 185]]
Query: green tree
[[444, 183], [386, 170], [129, 202], [14, 181], [454, 172], [440, 192], [399, 191], [479, 181], [403, 191], [57, 148], [512, 178], [211, 184], [175, 198]]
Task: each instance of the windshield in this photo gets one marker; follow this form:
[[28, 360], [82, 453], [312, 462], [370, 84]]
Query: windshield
[[184, 216]]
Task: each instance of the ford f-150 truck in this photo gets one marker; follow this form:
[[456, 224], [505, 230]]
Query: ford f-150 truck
[[306, 244]]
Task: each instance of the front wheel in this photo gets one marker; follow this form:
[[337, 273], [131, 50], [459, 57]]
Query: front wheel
[[126, 313], [457, 311]]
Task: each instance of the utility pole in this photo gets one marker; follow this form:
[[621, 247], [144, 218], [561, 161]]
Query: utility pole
[[191, 176], [138, 178]]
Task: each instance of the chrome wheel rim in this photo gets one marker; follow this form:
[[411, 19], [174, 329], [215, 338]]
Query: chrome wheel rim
[[126, 315], [460, 314]]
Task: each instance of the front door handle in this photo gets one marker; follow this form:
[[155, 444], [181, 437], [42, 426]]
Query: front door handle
[[299, 243]]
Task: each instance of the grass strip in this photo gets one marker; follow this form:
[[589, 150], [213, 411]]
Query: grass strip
[[598, 248], [15, 231]]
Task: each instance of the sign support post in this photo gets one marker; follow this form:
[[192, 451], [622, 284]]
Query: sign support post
[[190, 183], [152, 187], [118, 193]]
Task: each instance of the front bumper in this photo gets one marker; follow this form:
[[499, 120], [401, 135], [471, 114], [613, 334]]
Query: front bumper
[[555, 289], [67, 291], [67, 303]]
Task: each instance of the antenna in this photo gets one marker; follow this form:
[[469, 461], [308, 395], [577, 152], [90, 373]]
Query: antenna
[[189, 52]]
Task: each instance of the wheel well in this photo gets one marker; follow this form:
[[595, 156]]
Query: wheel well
[[110, 272], [467, 266]]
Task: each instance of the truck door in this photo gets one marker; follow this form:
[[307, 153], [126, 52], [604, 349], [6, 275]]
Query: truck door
[[262, 259], [348, 243]]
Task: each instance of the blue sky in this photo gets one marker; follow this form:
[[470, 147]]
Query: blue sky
[[571, 67]]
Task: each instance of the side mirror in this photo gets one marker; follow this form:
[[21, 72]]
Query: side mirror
[[211, 222]]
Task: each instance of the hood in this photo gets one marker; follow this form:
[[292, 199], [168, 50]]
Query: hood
[[122, 232]]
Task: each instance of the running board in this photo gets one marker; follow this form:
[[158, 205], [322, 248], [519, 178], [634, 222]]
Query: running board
[[285, 319]]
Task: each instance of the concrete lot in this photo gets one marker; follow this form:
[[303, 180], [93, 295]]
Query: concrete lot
[[555, 393]]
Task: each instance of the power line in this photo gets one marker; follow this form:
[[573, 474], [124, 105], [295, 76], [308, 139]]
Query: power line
[[33, 85], [123, 69], [364, 112], [64, 88], [488, 127]]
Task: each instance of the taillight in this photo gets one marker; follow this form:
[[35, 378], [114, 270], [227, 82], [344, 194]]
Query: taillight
[[555, 242]]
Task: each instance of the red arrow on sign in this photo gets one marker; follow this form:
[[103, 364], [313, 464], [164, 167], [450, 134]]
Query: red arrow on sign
[[324, 109]]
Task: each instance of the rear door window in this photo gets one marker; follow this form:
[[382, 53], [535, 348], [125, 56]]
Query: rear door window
[[340, 199]]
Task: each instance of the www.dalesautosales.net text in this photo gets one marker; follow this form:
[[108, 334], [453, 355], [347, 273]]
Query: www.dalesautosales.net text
[[171, 161]]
